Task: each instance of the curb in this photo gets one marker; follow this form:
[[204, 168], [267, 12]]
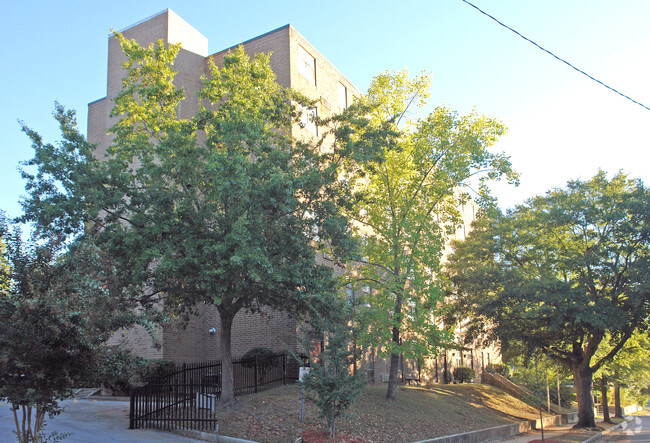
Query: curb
[[208, 436], [596, 437], [501, 432]]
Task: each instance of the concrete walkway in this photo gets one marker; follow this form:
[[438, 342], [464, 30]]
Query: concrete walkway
[[549, 434], [91, 421], [557, 432]]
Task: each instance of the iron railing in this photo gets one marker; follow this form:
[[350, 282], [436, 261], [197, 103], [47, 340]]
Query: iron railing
[[186, 396]]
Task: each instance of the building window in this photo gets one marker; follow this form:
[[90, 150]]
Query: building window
[[307, 65], [349, 292], [343, 96], [308, 120]]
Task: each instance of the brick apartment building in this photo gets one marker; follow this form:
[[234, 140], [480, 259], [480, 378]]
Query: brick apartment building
[[297, 65]]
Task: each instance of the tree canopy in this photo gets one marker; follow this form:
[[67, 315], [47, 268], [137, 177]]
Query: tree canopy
[[225, 208], [560, 273], [56, 312], [405, 207]]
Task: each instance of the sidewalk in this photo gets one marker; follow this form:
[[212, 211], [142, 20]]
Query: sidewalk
[[549, 434], [563, 433]]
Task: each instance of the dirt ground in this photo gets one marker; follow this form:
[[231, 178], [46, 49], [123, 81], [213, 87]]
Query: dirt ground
[[417, 414]]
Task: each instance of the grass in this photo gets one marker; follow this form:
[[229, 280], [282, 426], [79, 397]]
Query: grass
[[417, 414]]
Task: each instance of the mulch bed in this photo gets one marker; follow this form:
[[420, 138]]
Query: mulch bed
[[319, 436]]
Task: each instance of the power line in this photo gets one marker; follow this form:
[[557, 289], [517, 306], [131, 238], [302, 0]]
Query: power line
[[555, 56]]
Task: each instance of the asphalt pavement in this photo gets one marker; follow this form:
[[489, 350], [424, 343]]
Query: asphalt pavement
[[96, 421], [636, 429]]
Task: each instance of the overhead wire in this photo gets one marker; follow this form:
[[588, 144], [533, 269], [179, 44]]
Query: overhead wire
[[555, 56]]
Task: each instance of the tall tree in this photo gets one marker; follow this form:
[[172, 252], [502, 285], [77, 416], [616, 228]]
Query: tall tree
[[224, 208], [561, 272], [406, 205]]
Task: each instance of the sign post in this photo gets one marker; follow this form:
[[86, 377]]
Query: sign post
[[301, 374]]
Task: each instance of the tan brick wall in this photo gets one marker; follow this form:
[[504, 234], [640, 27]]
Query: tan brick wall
[[189, 65], [138, 340], [165, 26], [327, 80], [283, 44], [97, 115], [276, 43], [193, 343]]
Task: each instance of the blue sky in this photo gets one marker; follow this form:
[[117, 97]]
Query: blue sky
[[561, 124]]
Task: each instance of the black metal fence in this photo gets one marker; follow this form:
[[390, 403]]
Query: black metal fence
[[186, 397]]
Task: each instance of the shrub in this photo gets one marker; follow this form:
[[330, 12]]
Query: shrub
[[498, 368], [463, 374], [263, 356], [121, 370], [265, 360], [258, 352], [330, 383], [154, 368]]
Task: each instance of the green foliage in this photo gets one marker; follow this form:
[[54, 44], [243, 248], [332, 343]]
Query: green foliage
[[407, 203], [560, 273], [629, 369], [64, 193], [533, 377], [55, 314], [331, 383], [119, 370], [258, 352], [263, 355], [463, 374], [223, 208], [5, 266]]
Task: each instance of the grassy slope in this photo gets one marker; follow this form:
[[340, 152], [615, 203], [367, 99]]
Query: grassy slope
[[418, 413]]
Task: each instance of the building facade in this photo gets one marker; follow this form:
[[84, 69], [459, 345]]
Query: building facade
[[297, 65]]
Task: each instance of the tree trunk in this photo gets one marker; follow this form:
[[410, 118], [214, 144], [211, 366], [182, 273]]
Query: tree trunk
[[582, 380], [227, 380], [605, 401], [559, 399], [548, 393], [445, 374], [618, 410], [391, 392]]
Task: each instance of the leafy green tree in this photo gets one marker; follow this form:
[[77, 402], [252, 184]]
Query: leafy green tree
[[406, 205], [5, 266], [628, 369], [549, 383], [55, 314], [560, 273], [224, 208], [331, 383]]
